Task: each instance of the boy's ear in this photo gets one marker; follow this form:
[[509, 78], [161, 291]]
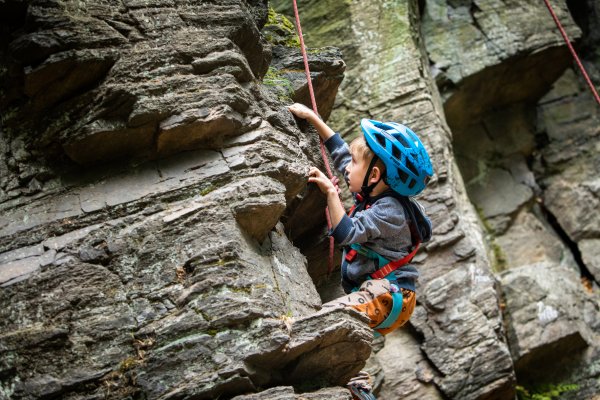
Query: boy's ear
[[375, 175]]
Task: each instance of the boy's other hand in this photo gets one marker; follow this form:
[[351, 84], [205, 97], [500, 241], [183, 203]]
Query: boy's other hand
[[301, 111], [326, 186]]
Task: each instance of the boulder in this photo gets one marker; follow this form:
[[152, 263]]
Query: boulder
[[567, 165], [544, 314], [499, 194], [530, 240]]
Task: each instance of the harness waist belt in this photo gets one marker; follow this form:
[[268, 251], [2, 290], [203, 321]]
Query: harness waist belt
[[394, 265]]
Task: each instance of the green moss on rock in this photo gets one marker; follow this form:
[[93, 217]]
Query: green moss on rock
[[280, 31]]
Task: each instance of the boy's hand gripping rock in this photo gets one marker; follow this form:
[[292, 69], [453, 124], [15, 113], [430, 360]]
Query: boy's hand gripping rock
[[326, 185], [301, 111]]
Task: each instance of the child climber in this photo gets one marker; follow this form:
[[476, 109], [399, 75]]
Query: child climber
[[381, 234]]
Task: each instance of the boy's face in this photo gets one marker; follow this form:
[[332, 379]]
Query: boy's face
[[356, 169]]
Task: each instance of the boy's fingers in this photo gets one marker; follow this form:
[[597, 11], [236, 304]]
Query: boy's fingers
[[313, 171]]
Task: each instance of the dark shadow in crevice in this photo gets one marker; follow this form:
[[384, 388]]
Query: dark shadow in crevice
[[572, 245], [580, 14], [552, 368]]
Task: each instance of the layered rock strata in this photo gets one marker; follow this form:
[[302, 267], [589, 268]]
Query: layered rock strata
[[146, 163], [528, 169]]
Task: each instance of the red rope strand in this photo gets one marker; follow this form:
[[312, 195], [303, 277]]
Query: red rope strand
[[322, 145], [568, 42]]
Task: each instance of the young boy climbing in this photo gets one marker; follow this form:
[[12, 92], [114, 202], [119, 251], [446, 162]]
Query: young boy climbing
[[381, 234]]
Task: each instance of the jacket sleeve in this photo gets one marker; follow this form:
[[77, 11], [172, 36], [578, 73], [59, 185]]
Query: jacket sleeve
[[378, 221], [340, 153]]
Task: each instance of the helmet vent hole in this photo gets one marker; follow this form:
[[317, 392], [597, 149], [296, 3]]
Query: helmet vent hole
[[380, 140], [411, 166], [403, 175], [396, 152], [402, 140], [412, 184]]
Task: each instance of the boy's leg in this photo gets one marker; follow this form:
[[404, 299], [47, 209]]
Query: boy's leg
[[373, 299], [409, 300]]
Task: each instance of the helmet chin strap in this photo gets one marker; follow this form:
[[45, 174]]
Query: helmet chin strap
[[366, 189]]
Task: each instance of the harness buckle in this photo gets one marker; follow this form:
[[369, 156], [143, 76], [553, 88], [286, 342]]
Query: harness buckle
[[351, 255]]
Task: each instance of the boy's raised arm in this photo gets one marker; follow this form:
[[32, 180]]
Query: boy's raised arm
[[301, 111], [336, 209]]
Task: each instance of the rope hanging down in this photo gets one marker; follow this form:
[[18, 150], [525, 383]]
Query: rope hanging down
[[568, 42], [322, 146]]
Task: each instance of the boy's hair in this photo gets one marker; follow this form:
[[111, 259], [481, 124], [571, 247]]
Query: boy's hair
[[360, 150]]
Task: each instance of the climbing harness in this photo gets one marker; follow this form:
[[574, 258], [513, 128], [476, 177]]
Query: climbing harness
[[388, 266], [321, 144], [573, 53]]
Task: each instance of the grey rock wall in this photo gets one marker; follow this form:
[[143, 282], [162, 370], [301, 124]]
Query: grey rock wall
[[485, 54], [157, 238], [147, 160], [519, 164]]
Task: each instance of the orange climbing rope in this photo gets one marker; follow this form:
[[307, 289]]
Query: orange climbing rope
[[322, 146], [579, 64]]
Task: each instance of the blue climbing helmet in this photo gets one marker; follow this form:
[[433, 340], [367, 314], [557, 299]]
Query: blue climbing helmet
[[407, 164]]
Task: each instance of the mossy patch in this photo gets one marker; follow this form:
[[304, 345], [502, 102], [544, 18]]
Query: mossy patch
[[212, 332], [500, 263], [282, 86], [499, 260], [280, 31], [245, 290], [545, 392], [206, 190], [128, 364]]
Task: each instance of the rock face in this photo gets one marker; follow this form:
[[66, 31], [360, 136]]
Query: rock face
[[528, 170], [158, 240], [486, 54], [165, 273]]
